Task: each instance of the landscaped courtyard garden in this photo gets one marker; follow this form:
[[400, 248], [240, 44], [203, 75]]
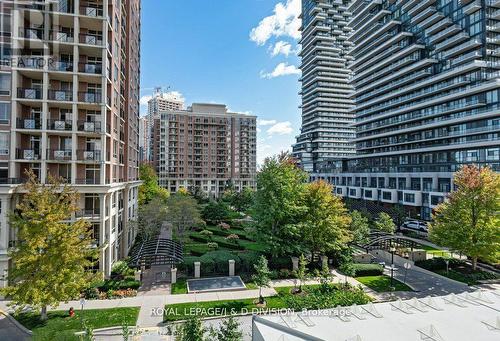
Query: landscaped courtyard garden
[[61, 327]]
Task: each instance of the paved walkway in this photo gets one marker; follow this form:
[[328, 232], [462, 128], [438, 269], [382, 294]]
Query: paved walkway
[[9, 331]]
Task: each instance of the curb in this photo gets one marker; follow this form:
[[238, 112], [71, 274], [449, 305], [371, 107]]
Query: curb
[[16, 323]]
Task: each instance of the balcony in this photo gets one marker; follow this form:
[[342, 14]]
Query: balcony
[[91, 40], [29, 93], [90, 97], [31, 33], [91, 127], [28, 154], [61, 95], [88, 181], [88, 155], [37, 63], [63, 37], [29, 123], [61, 66], [59, 154], [90, 68], [88, 214], [59, 124], [91, 11]]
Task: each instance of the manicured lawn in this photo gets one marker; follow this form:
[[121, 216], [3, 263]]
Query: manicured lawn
[[434, 251], [382, 283], [180, 287], [60, 326], [311, 298]]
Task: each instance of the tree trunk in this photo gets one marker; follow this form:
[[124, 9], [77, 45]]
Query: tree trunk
[[474, 263], [261, 299], [43, 313]]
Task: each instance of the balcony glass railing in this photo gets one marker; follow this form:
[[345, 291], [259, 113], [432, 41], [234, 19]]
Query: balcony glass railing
[[28, 123], [91, 39], [61, 95], [58, 124], [90, 97], [91, 11], [90, 68], [61, 66], [28, 154], [31, 33], [59, 154], [92, 126], [89, 155], [63, 37]]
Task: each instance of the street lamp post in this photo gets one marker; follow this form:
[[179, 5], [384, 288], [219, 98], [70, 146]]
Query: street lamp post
[[392, 250]]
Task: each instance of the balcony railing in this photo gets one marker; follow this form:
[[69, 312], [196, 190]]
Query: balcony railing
[[59, 124], [91, 39], [88, 181], [28, 123], [29, 93], [12, 181], [89, 155], [30, 63], [31, 32], [59, 154], [90, 214], [61, 66], [28, 154], [90, 68], [93, 127], [90, 97], [91, 11], [63, 37], [61, 95]]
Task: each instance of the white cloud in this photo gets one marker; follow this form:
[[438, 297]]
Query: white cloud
[[282, 69], [266, 122], [281, 47], [171, 95], [280, 128], [284, 22]]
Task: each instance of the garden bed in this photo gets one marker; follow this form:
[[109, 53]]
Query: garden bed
[[59, 326], [312, 297], [458, 270]]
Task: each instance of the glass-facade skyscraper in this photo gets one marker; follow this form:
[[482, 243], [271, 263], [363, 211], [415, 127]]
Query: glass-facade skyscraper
[[326, 130], [426, 81]]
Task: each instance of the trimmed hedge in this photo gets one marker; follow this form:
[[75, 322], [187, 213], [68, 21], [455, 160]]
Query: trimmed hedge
[[220, 260], [248, 259], [219, 240], [367, 269], [438, 263], [278, 263]]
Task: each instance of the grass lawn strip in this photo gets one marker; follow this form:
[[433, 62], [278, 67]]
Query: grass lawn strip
[[59, 326], [382, 283]]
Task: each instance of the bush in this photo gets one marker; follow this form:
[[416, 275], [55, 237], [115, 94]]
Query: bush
[[121, 269], [187, 266], [248, 259], [278, 263], [213, 245], [220, 260], [438, 263], [367, 269]]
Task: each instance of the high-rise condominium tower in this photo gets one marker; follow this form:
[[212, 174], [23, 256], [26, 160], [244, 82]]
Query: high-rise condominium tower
[[160, 101], [69, 104], [205, 147], [427, 99], [326, 130]]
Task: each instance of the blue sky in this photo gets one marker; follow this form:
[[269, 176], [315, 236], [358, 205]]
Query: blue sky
[[242, 53]]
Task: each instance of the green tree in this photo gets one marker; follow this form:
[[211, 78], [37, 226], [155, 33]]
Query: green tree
[[229, 330], [261, 276], [191, 330], [301, 272], [51, 258], [183, 213], [241, 201], [149, 188], [468, 220], [359, 228], [278, 204], [399, 214], [385, 223], [151, 217], [324, 226], [216, 211]]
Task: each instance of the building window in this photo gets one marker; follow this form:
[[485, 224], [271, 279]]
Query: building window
[[4, 143], [4, 113], [4, 84]]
